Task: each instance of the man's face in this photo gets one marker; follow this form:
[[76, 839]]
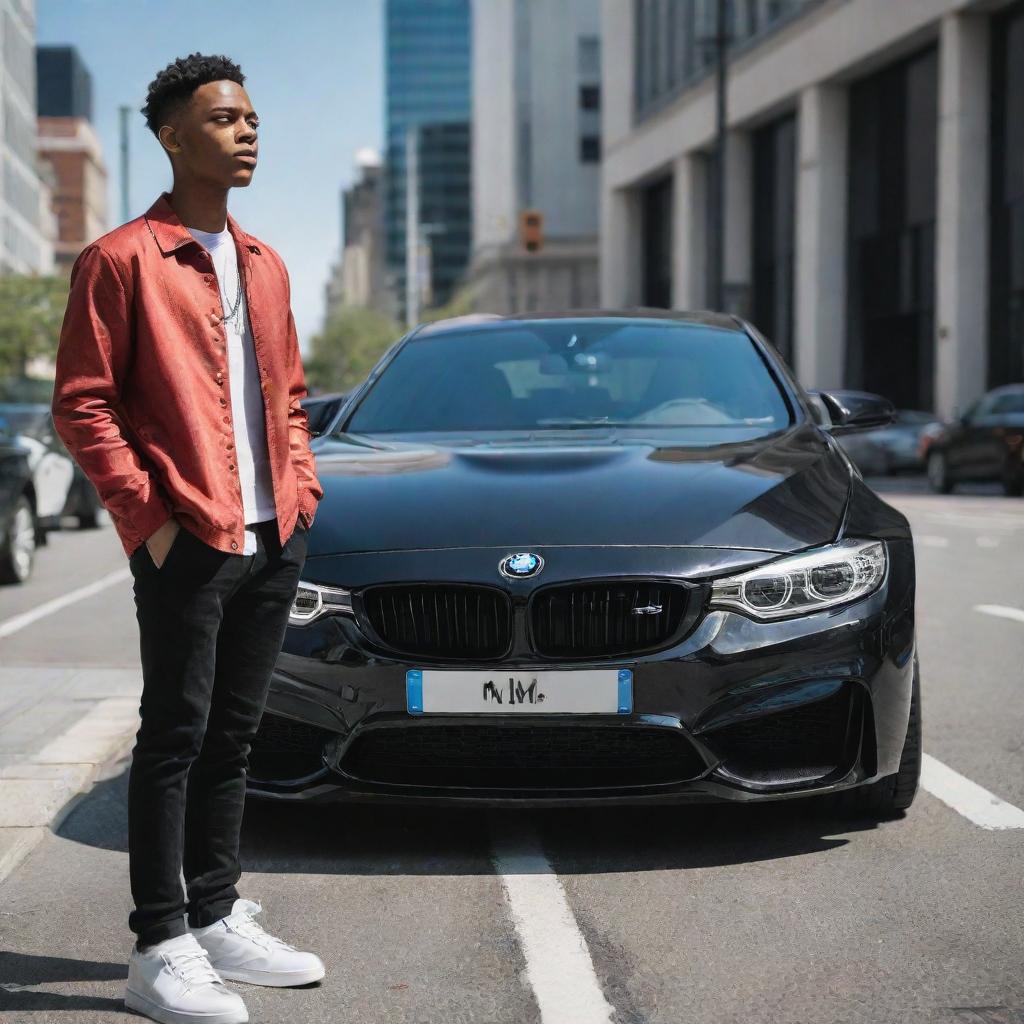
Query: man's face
[[214, 135]]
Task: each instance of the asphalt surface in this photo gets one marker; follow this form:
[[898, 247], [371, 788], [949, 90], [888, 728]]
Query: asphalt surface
[[780, 913]]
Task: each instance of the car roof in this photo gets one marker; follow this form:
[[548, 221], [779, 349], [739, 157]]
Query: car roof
[[704, 318]]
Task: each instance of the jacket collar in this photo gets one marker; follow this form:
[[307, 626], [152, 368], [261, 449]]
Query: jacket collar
[[171, 234]]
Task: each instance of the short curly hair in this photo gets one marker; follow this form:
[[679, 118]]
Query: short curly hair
[[173, 86]]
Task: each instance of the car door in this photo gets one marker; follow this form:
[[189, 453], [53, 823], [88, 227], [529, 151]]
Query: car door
[[973, 455]]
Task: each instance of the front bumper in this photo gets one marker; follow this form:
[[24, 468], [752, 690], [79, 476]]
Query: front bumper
[[736, 711]]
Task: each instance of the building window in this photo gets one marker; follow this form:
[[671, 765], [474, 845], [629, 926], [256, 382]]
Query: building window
[[1006, 333], [891, 235], [590, 149], [774, 231], [657, 244], [590, 97]]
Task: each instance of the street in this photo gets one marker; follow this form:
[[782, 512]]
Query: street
[[776, 913]]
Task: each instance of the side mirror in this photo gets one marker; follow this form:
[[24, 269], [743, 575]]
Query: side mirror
[[851, 411]]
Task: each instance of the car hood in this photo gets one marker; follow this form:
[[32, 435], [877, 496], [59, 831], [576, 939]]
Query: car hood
[[779, 494]]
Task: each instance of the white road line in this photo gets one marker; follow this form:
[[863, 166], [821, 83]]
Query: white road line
[[968, 798], [987, 542], [12, 625], [927, 541], [558, 964], [1001, 611]]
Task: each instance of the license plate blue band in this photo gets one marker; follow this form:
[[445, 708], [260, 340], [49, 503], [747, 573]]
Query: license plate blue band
[[414, 691], [625, 691]]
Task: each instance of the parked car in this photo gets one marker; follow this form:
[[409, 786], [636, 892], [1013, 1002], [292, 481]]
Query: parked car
[[18, 526], [575, 558], [321, 409], [53, 470], [985, 443], [895, 448]]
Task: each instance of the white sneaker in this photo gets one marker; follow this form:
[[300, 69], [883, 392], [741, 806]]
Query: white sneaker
[[174, 982], [240, 950]]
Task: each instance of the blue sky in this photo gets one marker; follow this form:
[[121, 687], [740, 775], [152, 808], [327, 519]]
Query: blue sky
[[314, 73]]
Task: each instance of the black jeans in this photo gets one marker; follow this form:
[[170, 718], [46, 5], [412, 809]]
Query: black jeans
[[211, 626]]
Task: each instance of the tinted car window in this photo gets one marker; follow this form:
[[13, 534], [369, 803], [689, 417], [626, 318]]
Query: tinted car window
[[1012, 401], [559, 373]]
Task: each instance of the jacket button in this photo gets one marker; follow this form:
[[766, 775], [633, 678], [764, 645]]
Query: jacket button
[[229, 446], [234, 543], [231, 465], [223, 401], [225, 419]]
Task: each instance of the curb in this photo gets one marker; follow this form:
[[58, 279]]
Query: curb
[[38, 794]]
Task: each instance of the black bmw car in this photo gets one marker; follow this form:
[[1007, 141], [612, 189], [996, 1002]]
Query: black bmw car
[[596, 557]]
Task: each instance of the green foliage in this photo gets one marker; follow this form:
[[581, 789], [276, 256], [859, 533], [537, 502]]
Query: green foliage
[[462, 303], [347, 348], [31, 313]]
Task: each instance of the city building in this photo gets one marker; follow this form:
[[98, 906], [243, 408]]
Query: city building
[[68, 143], [26, 241], [536, 151], [873, 182], [358, 279], [427, 88]]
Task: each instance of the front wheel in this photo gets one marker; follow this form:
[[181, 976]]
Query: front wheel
[[887, 797], [938, 473], [18, 552]]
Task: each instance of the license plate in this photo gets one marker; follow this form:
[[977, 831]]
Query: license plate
[[514, 692]]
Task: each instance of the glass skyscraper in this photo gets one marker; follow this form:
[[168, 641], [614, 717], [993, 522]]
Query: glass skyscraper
[[427, 84]]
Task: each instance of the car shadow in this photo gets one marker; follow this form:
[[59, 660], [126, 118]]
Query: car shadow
[[363, 839]]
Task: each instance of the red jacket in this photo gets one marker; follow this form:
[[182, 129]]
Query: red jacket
[[142, 397]]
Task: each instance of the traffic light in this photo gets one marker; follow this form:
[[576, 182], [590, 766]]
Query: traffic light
[[531, 230]]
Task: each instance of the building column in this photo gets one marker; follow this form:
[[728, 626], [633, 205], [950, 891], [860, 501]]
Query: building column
[[820, 327], [962, 226], [739, 223], [689, 232], [620, 247]]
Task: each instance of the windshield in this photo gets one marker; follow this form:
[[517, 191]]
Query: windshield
[[569, 373]]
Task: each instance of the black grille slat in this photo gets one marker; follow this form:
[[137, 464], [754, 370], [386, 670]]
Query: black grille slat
[[545, 757], [597, 619], [441, 621]]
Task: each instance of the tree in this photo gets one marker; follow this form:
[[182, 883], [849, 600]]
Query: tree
[[348, 347], [31, 313]]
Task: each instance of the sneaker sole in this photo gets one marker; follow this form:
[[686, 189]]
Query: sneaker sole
[[142, 1004], [275, 979]]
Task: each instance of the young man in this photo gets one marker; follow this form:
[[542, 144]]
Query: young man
[[177, 391]]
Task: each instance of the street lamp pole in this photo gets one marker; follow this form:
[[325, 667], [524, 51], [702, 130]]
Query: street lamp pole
[[716, 253], [412, 226], [126, 213]]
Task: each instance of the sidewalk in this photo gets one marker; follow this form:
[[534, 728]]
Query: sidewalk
[[58, 727]]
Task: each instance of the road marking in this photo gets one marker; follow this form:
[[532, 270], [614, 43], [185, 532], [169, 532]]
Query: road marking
[[987, 542], [12, 625], [968, 798], [927, 541], [1001, 611], [558, 964]]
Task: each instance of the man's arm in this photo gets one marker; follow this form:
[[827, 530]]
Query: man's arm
[[310, 490], [92, 358]]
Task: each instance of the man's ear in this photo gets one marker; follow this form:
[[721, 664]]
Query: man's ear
[[168, 136]]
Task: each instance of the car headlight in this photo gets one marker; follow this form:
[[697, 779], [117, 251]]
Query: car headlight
[[312, 601], [804, 583]]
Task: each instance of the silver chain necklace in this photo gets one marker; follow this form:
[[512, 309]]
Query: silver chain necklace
[[238, 298]]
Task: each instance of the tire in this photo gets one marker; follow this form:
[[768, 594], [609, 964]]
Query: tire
[[17, 555], [938, 473], [890, 796]]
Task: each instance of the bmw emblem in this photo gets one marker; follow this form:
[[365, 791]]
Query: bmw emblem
[[520, 565]]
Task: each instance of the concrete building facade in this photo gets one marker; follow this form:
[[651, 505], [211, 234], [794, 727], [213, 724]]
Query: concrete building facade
[[70, 147], [26, 240], [874, 182], [536, 147]]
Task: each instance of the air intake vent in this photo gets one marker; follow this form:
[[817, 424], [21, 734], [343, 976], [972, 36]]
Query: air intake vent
[[535, 757], [450, 621], [606, 619]]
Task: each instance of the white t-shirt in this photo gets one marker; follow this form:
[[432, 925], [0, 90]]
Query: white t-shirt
[[251, 457]]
